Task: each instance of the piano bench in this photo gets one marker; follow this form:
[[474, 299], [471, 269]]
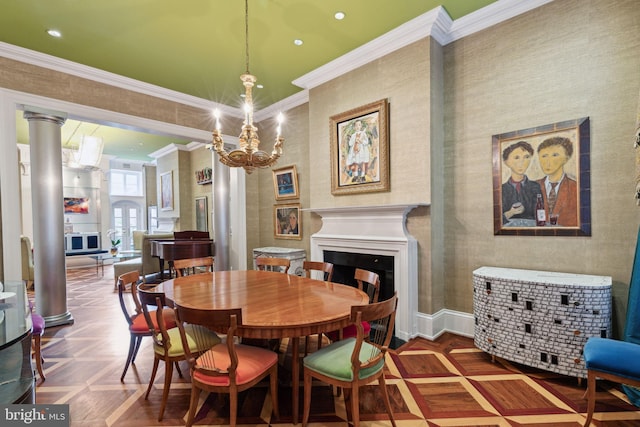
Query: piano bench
[[120, 268]]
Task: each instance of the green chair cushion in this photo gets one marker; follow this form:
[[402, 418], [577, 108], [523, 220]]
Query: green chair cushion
[[206, 340], [335, 360]]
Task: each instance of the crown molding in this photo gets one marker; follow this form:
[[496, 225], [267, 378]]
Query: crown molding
[[83, 71], [435, 23], [171, 148], [491, 15], [412, 31]]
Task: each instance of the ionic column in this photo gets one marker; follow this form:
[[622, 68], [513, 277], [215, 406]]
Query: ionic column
[[48, 217]]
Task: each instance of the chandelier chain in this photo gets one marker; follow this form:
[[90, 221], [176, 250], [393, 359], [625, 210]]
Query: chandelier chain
[[246, 34]]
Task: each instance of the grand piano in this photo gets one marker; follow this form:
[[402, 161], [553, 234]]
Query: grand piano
[[185, 244]]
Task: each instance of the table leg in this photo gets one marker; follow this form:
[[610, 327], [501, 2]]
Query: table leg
[[295, 380]]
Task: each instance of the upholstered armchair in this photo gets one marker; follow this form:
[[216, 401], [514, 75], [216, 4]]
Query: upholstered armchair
[[27, 261]]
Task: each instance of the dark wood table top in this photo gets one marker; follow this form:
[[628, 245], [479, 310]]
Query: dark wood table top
[[274, 305]]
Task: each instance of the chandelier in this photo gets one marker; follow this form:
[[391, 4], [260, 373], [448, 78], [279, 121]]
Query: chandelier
[[248, 156]]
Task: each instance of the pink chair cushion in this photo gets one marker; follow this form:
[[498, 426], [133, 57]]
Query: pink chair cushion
[[38, 324], [252, 362], [140, 325], [349, 332]]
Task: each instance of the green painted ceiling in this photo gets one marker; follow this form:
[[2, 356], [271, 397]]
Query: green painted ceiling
[[197, 47]]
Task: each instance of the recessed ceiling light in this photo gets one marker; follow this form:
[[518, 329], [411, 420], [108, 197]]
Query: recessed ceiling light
[[54, 33], [260, 86], [298, 42], [339, 16]]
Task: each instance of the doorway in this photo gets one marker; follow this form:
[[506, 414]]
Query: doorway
[[126, 218]]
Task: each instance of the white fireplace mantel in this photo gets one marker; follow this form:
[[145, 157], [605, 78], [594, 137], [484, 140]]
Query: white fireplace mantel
[[376, 230]]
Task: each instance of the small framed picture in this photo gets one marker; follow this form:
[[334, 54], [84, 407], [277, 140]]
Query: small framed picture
[[285, 183], [287, 221], [166, 191], [201, 213]]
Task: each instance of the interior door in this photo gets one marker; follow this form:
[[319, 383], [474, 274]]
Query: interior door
[[126, 217]]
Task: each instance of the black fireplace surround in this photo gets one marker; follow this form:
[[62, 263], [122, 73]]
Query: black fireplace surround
[[344, 267]]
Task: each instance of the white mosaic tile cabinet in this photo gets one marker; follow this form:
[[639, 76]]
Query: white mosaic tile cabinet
[[539, 318]]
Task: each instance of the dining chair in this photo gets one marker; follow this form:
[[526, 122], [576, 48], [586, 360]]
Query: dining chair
[[133, 314], [273, 264], [326, 269], [371, 281], [353, 362], [611, 360], [184, 267], [167, 343], [37, 331], [227, 367]]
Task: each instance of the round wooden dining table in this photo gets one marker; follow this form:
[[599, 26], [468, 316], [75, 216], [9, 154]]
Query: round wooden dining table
[[274, 305]]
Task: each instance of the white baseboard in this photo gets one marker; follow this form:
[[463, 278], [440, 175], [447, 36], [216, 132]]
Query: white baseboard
[[431, 326]]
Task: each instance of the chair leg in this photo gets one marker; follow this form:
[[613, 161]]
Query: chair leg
[[132, 348], [591, 396], [38, 356], [135, 352], [193, 404], [307, 398], [156, 362], [273, 379], [355, 405], [233, 407], [385, 396], [178, 369], [168, 373]]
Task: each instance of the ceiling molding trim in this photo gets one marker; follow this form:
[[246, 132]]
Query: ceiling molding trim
[[435, 23], [491, 15], [171, 148], [412, 31], [83, 71], [286, 104]]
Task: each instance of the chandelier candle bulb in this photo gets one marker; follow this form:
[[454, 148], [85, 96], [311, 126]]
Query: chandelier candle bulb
[[216, 114]]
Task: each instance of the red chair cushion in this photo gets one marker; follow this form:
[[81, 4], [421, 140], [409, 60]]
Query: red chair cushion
[[140, 325], [252, 362], [349, 332]]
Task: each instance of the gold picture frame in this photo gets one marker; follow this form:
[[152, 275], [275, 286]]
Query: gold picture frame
[[360, 150], [285, 183], [287, 221]]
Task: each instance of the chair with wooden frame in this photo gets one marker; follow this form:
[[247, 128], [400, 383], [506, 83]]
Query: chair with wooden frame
[[226, 367], [372, 282], [326, 269], [37, 330], [167, 343], [273, 264], [611, 360], [356, 361], [132, 310], [188, 266]]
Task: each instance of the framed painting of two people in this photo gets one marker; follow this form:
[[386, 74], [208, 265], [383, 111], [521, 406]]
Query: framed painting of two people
[[541, 180]]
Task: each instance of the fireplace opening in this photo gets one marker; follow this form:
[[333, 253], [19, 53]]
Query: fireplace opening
[[344, 267]]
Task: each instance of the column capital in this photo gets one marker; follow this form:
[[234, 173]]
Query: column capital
[[32, 115]]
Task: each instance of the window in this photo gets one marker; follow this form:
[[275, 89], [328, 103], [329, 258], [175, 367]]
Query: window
[[126, 183]]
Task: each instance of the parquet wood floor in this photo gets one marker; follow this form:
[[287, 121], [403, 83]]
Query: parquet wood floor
[[447, 382]]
